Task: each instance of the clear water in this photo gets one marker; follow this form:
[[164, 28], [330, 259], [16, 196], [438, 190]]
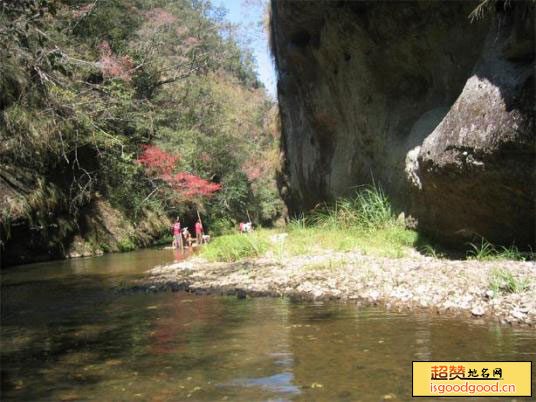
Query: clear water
[[67, 334]]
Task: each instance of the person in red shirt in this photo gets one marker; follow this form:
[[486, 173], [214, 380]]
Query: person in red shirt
[[177, 238], [199, 231]]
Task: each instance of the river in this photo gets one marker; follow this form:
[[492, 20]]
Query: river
[[69, 331]]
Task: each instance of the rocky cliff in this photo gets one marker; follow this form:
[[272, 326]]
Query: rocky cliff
[[436, 109]]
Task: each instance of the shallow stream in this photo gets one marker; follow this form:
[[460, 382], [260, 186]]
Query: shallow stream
[[67, 333]]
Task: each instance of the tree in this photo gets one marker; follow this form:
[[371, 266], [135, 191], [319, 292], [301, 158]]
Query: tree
[[84, 83], [175, 187]]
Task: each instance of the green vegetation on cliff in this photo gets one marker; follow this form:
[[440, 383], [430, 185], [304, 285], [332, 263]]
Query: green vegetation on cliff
[[84, 85]]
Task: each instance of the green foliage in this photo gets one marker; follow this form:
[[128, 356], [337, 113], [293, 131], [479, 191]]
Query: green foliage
[[392, 241], [297, 224], [431, 251], [234, 247], [483, 251], [364, 222], [166, 239], [222, 226], [126, 244], [374, 208], [502, 281], [83, 85], [113, 20]]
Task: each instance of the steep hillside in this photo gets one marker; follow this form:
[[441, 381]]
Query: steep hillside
[[117, 116]]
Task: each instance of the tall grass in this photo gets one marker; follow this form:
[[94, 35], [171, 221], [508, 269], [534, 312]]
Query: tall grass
[[298, 223], [233, 247], [363, 222], [368, 209]]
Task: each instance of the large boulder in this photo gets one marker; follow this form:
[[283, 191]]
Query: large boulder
[[412, 96], [475, 174]]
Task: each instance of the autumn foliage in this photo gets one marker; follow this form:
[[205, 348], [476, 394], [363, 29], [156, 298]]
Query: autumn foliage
[[161, 166], [113, 65], [157, 162]]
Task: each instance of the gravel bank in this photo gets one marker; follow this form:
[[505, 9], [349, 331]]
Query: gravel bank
[[462, 287]]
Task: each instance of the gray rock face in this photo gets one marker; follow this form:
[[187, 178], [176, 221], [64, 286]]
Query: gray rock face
[[437, 110], [476, 172]]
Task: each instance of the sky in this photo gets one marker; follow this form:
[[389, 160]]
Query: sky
[[249, 16]]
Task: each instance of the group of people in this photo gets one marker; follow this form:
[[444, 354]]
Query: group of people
[[182, 236]]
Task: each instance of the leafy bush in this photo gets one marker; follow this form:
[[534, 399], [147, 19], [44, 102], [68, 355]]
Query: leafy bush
[[222, 226], [126, 244]]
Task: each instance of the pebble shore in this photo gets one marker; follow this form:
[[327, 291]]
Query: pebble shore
[[442, 286]]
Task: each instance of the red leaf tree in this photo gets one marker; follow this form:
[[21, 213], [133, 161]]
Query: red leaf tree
[[161, 167]]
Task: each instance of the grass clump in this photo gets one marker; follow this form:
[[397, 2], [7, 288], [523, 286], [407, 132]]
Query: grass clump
[[485, 251], [365, 222], [233, 247], [368, 209], [502, 281], [431, 251]]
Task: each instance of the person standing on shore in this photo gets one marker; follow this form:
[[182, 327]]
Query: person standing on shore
[[199, 232], [177, 237]]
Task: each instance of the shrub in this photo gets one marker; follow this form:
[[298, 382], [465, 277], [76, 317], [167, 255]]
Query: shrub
[[126, 244]]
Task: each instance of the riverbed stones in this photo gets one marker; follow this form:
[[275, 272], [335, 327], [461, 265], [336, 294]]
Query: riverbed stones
[[417, 282]]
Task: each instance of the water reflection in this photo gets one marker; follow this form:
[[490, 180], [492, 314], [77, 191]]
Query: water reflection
[[66, 335], [282, 382]]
